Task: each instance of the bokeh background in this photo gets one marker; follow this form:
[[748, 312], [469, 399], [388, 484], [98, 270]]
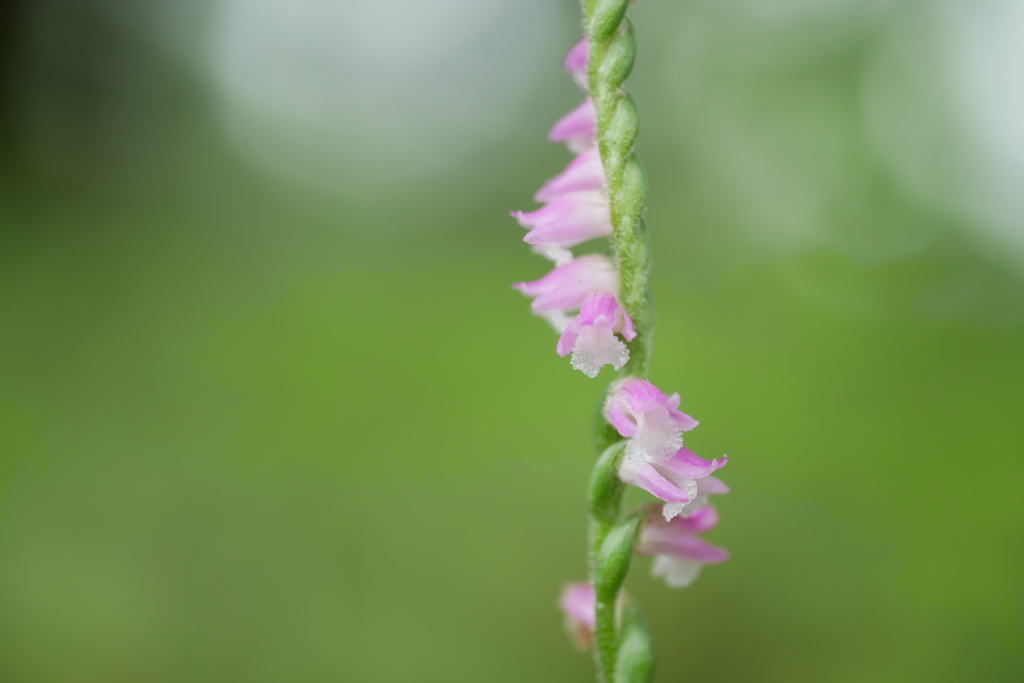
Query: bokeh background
[[269, 410]]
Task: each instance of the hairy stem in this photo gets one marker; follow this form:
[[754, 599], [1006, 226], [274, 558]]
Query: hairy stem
[[612, 52], [605, 637]]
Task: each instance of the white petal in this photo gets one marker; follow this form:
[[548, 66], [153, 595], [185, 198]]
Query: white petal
[[559, 255], [596, 347], [657, 436], [678, 573], [558, 319]]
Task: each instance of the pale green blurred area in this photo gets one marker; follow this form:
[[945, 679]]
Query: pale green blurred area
[[255, 432]]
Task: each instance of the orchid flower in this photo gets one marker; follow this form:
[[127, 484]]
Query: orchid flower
[[567, 221], [679, 553], [566, 287], [651, 420], [578, 128], [590, 337], [577, 603], [679, 481], [576, 63]]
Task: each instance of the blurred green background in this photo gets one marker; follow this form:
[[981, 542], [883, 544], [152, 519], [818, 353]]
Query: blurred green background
[[269, 410]]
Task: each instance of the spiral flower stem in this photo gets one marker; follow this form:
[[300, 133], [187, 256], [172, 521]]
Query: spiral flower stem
[[623, 649]]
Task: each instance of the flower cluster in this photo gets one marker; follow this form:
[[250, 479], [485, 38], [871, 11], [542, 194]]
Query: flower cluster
[[655, 458], [579, 297]]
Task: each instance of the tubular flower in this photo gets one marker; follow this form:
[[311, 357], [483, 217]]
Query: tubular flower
[[680, 481], [590, 337], [578, 604], [655, 458], [578, 128], [651, 420], [576, 63], [566, 287], [566, 222], [583, 173], [563, 290], [679, 553]]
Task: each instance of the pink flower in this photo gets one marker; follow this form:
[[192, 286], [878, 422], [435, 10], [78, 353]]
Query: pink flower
[[567, 221], [683, 481], [585, 172], [655, 459], [576, 63], [566, 287], [651, 420], [578, 128], [578, 604], [679, 554], [591, 339]]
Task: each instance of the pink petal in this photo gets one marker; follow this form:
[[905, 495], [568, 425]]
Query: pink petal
[[585, 172], [640, 395], [568, 221], [700, 521], [697, 549], [627, 331], [566, 287], [623, 425], [685, 463], [644, 475], [712, 485], [689, 547], [578, 128], [576, 62], [600, 309], [578, 603], [678, 538], [656, 528], [685, 422], [567, 341]]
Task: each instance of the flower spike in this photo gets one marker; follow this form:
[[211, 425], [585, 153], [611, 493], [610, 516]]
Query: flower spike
[[602, 308]]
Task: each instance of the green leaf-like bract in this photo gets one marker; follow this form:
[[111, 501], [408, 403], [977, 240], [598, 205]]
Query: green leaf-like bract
[[606, 488], [634, 662]]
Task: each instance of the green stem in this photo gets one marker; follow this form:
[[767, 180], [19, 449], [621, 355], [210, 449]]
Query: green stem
[[612, 52]]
